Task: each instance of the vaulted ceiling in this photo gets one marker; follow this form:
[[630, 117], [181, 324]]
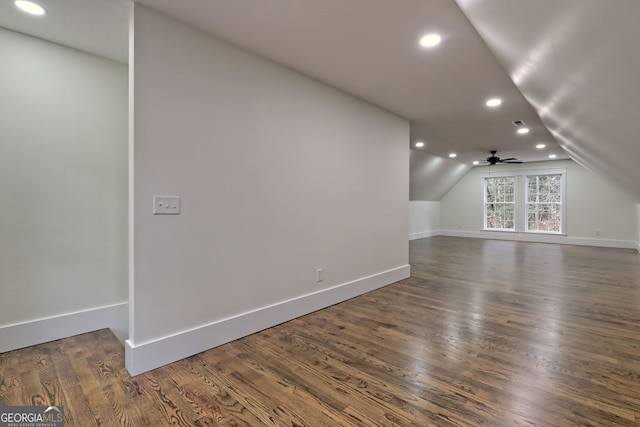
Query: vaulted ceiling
[[568, 68], [577, 63]]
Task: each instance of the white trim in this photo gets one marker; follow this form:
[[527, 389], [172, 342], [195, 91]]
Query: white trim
[[605, 243], [516, 183], [519, 203], [524, 172], [562, 203], [423, 234], [33, 332], [542, 238], [131, 172], [146, 356]]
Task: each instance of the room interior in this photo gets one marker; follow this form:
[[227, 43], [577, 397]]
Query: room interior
[[279, 124]]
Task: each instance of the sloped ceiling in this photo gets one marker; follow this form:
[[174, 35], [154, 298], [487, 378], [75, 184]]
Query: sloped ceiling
[[100, 27], [431, 177], [370, 49], [568, 68], [577, 62]]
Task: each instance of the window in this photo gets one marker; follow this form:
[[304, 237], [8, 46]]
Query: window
[[524, 201], [544, 202], [499, 203]]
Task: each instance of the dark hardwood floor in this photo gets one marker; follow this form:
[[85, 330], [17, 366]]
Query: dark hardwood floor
[[484, 333]]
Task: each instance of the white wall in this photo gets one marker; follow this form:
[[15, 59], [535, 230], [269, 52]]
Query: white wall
[[63, 184], [279, 175], [424, 219], [591, 204], [431, 177], [638, 226]]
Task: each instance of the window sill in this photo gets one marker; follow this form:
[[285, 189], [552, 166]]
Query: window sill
[[546, 233], [524, 232]]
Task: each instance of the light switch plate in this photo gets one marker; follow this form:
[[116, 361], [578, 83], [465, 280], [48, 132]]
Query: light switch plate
[[166, 205]]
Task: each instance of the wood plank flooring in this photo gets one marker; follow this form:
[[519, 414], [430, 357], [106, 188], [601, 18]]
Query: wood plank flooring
[[484, 333]]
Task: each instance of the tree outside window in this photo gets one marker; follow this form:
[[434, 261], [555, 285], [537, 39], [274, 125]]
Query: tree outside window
[[527, 201], [499, 203], [544, 202]]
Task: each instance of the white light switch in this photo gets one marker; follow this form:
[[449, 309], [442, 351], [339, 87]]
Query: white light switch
[[166, 205]]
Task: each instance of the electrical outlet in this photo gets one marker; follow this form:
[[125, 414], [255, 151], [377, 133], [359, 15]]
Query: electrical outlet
[[166, 205], [319, 275]]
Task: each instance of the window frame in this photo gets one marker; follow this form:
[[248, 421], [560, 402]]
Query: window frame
[[528, 203], [486, 203], [520, 199]]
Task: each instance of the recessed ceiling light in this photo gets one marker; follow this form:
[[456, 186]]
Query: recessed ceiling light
[[29, 7], [452, 155], [430, 40], [419, 144], [494, 102], [552, 156], [523, 130], [540, 146], [475, 162]]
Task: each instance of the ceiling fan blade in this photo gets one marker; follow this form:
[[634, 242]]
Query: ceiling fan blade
[[495, 160]]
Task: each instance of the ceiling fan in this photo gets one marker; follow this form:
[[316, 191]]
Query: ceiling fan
[[495, 160]]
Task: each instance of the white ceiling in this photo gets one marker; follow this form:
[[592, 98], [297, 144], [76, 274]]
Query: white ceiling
[[96, 26], [369, 48], [578, 64], [573, 61]]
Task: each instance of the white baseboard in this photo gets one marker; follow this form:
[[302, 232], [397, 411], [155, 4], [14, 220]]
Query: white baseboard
[[143, 357], [542, 238], [423, 234], [25, 334], [605, 243]]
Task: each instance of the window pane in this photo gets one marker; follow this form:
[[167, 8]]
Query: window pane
[[499, 200], [533, 189], [554, 197], [543, 217], [500, 216], [544, 198]]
